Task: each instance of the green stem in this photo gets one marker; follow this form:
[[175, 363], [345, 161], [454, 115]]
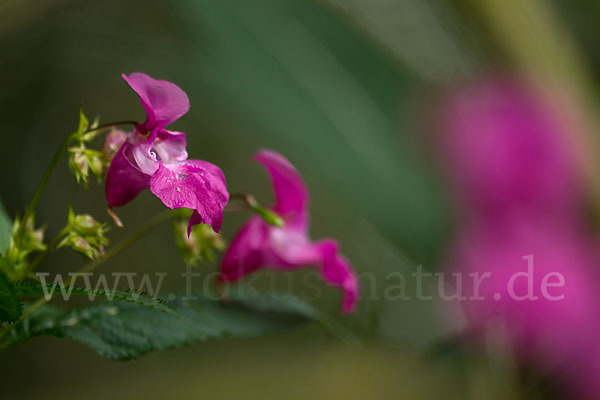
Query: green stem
[[42, 185], [267, 215], [118, 248]]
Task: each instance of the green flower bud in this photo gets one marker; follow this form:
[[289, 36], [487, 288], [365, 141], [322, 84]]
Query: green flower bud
[[24, 240], [84, 235], [82, 160]]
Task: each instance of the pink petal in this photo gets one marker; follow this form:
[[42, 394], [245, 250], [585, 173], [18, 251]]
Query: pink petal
[[195, 185], [336, 271], [290, 248], [143, 154], [258, 245], [124, 180], [504, 149], [170, 147], [555, 331], [246, 253], [291, 195], [217, 178], [163, 101]]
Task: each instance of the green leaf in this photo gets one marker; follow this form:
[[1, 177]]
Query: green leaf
[[10, 306], [24, 289], [5, 229], [121, 330]]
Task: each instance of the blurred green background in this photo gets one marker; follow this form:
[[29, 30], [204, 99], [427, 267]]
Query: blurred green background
[[340, 88]]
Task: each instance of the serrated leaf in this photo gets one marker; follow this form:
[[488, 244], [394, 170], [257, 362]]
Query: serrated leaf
[[24, 289], [5, 229], [121, 330], [10, 306]]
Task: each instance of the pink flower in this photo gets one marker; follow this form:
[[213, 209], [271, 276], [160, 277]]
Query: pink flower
[[258, 244], [507, 154], [153, 157], [553, 316], [556, 326], [504, 149]]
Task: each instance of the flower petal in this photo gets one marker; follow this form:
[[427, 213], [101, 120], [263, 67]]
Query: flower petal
[[163, 101], [170, 146], [503, 148], [219, 186], [336, 271], [215, 221], [195, 185], [246, 253], [217, 178], [143, 155], [259, 245], [291, 195], [124, 180], [291, 248]]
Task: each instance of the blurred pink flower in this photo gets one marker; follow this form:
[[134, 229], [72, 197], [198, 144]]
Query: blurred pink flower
[[259, 244], [504, 149], [513, 170], [560, 319]]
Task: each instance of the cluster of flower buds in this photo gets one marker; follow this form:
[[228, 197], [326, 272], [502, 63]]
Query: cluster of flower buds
[[200, 245], [24, 240], [81, 159], [84, 235]]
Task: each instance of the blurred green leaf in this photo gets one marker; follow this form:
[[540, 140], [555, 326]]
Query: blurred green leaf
[[422, 34], [329, 100], [5, 229], [121, 330], [10, 306]]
